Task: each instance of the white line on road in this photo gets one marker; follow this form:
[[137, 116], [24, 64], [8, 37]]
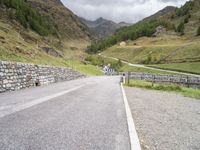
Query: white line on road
[[15, 108], [134, 141]]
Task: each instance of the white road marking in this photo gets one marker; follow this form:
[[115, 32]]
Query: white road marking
[[134, 141], [15, 108]]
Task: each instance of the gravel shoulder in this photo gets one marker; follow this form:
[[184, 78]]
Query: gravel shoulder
[[165, 121]]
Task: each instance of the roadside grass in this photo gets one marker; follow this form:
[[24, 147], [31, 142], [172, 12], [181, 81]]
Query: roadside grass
[[187, 92], [89, 70], [181, 67]]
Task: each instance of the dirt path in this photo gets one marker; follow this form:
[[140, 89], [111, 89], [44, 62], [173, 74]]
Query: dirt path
[[165, 121]]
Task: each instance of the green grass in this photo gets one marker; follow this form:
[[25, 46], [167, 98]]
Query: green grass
[[187, 92], [182, 67], [89, 70], [166, 48], [127, 68]]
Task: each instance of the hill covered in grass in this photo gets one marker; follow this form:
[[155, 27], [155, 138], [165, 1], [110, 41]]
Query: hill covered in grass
[[43, 32]]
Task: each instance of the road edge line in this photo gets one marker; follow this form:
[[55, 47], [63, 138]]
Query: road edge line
[[134, 140]]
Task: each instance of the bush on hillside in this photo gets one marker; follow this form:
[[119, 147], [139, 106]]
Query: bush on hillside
[[184, 10], [181, 28], [198, 31], [29, 17]]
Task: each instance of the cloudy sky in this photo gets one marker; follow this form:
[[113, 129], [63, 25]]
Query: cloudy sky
[[119, 10]]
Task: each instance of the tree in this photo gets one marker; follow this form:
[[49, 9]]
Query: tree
[[181, 28], [198, 31]]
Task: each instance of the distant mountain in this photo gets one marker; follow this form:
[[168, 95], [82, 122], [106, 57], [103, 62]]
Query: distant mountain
[[102, 28]]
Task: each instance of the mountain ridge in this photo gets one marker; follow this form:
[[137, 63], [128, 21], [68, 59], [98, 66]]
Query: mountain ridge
[[102, 28]]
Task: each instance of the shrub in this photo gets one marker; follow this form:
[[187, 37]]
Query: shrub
[[198, 31], [181, 28], [28, 16]]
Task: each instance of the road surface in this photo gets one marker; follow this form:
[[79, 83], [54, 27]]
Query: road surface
[[85, 114]]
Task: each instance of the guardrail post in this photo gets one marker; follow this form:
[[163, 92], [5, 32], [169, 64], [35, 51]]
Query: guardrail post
[[127, 78], [188, 82], [153, 80]]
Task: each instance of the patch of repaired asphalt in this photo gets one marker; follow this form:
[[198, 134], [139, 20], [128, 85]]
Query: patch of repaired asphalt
[[165, 121]]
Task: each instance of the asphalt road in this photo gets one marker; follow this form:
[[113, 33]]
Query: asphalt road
[[85, 114]]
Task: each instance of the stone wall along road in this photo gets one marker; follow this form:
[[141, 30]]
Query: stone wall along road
[[16, 76]]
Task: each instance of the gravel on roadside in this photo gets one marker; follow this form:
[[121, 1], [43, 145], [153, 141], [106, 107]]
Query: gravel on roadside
[[165, 121]]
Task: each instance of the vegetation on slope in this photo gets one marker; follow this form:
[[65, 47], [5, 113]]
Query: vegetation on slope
[[29, 17], [15, 47]]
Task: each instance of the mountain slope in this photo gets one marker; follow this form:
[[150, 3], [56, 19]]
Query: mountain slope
[[68, 24], [161, 13], [102, 28], [41, 32]]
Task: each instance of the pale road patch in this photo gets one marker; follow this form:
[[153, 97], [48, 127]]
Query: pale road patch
[[119, 142], [134, 141], [10, 109]]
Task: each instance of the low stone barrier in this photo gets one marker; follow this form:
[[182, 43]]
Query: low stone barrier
[[188, 81], [16, 76]]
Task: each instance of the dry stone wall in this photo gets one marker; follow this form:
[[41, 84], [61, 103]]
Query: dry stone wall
[[16, 76]]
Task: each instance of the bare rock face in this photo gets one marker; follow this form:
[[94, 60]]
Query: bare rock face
[[52, 52], [160, 30]]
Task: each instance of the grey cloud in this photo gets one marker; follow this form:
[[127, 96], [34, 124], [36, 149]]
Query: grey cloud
[[119, 10]]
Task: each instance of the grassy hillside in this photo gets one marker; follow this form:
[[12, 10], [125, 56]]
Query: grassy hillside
[[28, 47], [184, 67], [158, 50], [29, 35], [67, 23]]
